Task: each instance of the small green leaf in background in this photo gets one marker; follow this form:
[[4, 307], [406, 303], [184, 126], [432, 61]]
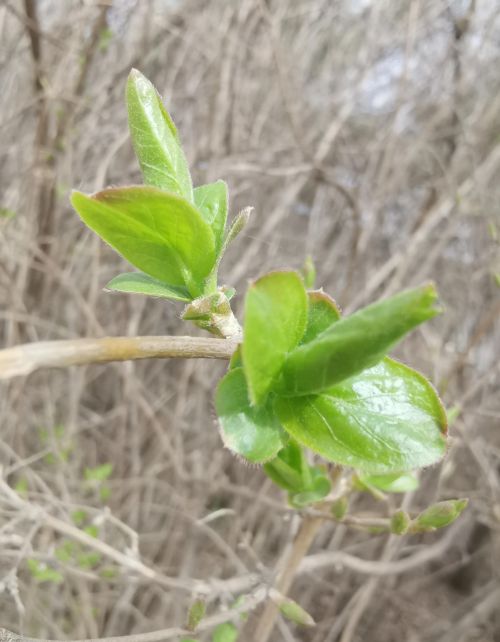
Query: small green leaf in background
[[43, 573], [355, 343], [6, 213], [138, 283], [211, 200], [188, 640], [99, 473], [161, 234], [438, 515], [393, 483], [400, 522], [196, 614], [250, 431], [155, 139], [275, 320], [294, 612], [387, 419], [226, 632]]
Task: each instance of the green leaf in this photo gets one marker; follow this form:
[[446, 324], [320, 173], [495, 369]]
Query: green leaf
[[275, 320], [155, 139], [99, 473], [6, 213], [438, 515], [250, 431], [196, 614], [318, 490], [323, 312], [355, 343], [393, 483], [293, 611], [160, 233], [400, 522], [226, 632], [211, 200], [288, 469], [238, 225], [43, 573], [139, 283], [387, 419]]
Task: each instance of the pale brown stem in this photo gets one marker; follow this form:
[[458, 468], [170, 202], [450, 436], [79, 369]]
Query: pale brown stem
[[24, 359], [288, 567]]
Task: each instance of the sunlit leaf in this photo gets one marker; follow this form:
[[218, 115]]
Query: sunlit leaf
[[387, 419], [275, 320], [211, 200], [355, 343], [155, 139], [139, 283], [161, 234]]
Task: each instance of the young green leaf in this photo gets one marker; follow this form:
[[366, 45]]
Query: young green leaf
[[225, 632], [323, 312], [250, 431], [211, 200], [289, 469], [438, 515], [196, 614], [275, 320], [318, 490], [161, 234], [393, 483], [292, 610], [387, 419], [155, 139], [238, 225], [139, 283], [99, 473], [355, 343], [400, 522]]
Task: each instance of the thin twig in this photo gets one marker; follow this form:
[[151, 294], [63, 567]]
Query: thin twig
[[288, 567], [250, 603], [24, 359]]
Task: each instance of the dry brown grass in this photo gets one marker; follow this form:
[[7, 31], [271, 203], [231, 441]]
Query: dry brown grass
[[365, 134]]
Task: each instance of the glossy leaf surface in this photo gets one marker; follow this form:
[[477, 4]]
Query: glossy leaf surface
[[211, 200], [275, 320], [250, 431], [138, 283], [155, 139], [161, 234], [355, 343], [387, 419]]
